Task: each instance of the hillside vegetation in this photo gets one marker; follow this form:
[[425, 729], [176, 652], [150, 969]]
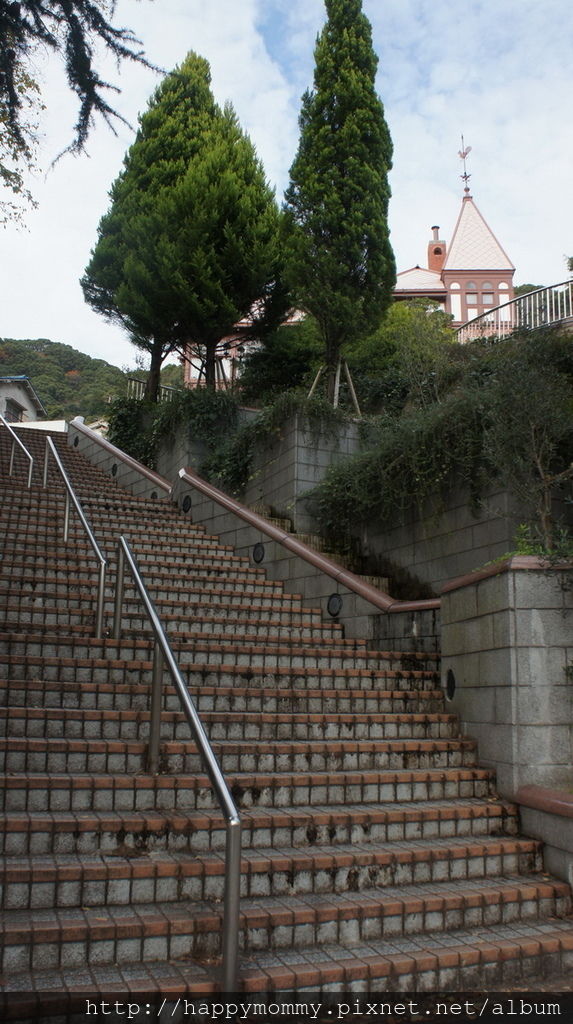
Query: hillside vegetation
[[67, 382], [70, 383]]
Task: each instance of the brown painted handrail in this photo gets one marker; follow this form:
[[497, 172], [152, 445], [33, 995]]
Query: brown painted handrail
[[342, 576], [155, 478], [384, 602]]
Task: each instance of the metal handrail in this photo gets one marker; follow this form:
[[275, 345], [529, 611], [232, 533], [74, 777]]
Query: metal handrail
[[16, 440], [71, 495], [344, 577], [541, 307], [164, 655]]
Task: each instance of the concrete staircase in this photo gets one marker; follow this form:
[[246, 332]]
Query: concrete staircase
[[376, 855]]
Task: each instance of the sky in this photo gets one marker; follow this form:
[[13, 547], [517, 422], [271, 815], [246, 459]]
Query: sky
[[500, 74]]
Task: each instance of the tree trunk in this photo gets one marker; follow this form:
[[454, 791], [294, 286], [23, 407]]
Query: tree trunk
[[210, 375], [153, 380]]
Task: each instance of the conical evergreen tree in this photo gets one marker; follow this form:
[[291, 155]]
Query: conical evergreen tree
[[340, 261], [190, 242]]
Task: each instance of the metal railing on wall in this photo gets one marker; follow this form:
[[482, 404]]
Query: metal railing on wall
[[136, 389], [540, 308], [71, 497], [16, 441]]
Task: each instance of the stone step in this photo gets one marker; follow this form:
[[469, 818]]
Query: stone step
[[23, 536], [96, 755], [196, 602], [72, 723], [26, 570], [162, 586], [78, 674], [254, 698], [211, 560], [58, 792], [375, 853], [147, 884], [296, 655], [499, 959], [78, 624], [134, 833], [37, 526], [284, 873]]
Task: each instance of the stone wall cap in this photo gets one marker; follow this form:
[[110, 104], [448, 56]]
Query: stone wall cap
[[528, 563], [553, 801]]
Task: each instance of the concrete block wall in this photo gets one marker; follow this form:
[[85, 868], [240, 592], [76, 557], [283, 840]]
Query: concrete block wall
[[125, 471], [507, 644], [445, 539], [448, 538], [290, 465], [409, 630], [548, 815]]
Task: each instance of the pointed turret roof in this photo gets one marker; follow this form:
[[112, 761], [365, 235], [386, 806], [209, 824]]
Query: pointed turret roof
[[474, 245]]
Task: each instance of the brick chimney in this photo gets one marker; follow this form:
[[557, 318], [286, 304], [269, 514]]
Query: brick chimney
[[436, 251]]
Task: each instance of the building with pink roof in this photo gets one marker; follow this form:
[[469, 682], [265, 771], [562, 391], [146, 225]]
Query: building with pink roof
[[469, 277]]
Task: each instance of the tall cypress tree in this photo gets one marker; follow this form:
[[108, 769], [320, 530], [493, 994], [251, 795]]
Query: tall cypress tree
[[190, 242], [340, 261]]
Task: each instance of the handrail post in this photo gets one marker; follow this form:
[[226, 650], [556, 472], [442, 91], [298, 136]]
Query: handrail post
[[100, 601], [46, 454], [231, 904], [155, 711], [67, 518], [71, 497], [119, 585], [16, 441]]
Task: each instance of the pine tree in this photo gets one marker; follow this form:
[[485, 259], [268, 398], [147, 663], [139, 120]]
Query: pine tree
[[190, 242], [340, 262]]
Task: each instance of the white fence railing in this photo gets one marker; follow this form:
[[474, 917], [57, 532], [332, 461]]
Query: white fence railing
[[540, 308], [136, 389]]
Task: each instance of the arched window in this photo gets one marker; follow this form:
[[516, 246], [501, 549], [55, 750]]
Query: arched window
[[437, 251]]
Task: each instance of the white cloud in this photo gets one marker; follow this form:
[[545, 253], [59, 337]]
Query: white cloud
[[498, 73]]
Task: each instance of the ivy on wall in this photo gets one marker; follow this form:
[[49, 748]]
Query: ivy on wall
[[507, 419]]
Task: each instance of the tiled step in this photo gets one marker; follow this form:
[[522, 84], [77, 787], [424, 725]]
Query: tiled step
[[100, 671], [254, 698], [499, 959], [493, 959], [96, 755], [284, 656], [308, 919], [55, 723], [286, 872], [138, 833], [210, 560], [79, 624], [161, 585], [375, 853], [64, 792], [246, 598], [24, 570]]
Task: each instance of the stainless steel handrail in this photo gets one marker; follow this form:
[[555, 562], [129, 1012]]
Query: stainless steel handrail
[[16, 440], [71, 495], [164, 655]]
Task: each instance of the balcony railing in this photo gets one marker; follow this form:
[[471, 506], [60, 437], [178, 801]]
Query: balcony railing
[[136, 389], [540, 308]]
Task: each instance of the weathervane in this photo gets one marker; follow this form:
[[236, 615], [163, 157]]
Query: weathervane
[[463, 153]]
